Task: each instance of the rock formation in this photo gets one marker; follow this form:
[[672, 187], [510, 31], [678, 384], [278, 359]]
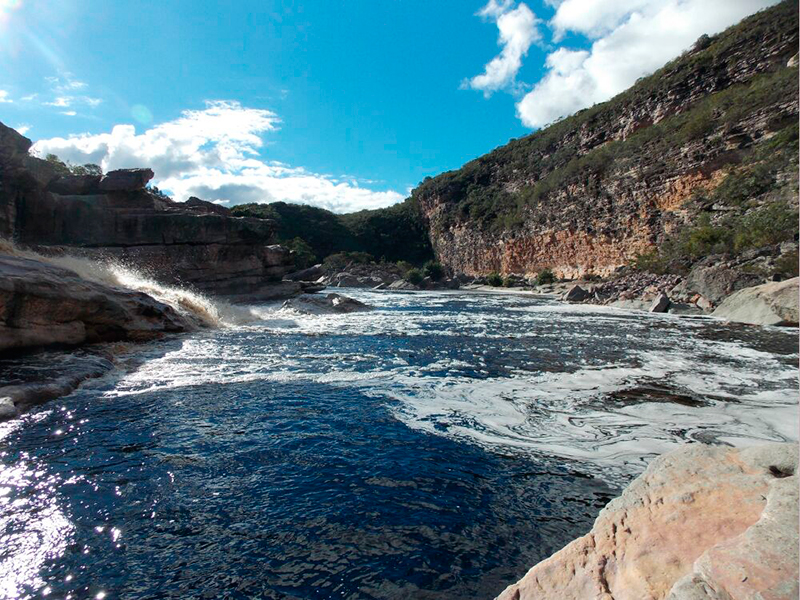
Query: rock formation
[[332, 303], [42, 305], [702, 523], [194, 243], [768, 304], [589, 193]]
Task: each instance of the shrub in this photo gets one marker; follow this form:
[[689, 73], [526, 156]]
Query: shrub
[[415, 276], [545, 277], [340, 260], [404, 266], [494, 280], [787, 265], [433, 269], [301, 252]]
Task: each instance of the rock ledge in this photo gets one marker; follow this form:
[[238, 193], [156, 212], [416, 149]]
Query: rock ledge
[[701, 523]]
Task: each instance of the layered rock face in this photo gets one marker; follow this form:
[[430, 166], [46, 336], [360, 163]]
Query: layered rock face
[[702, 523], [42, 304], [587, 194], [195, 243]]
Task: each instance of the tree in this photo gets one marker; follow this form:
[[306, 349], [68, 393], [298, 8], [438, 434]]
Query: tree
[[87, 169], [59, 165]]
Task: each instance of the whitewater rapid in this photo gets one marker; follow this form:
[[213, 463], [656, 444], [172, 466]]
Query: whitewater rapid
[[602, 388]]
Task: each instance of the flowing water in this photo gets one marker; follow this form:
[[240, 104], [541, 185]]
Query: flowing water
[[433, 448]]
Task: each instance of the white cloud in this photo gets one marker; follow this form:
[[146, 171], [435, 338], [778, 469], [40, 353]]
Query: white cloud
[[23, 128], [63, 89], [4, 97], [61, 101], [69, 113], [518, 30], [592, 18], [634, 38], [213, 154]]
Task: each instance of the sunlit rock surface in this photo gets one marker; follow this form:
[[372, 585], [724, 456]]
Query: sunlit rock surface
[[768, 304], [701, 523]]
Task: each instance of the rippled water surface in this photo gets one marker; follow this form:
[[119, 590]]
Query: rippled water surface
[[434, 448]]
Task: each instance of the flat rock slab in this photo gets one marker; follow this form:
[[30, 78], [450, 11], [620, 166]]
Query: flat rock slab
[[701, 523]]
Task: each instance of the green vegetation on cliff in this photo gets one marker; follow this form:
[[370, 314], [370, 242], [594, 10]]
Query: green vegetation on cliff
[[514, 185], [394, 233]]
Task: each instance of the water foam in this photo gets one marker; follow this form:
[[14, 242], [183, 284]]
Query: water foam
[[195, 305]]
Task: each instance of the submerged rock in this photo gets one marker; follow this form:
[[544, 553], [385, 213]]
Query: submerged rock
[[701, 523], [332, 303], [769, 304]]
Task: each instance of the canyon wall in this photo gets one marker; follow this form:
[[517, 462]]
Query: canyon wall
[[115, 215], [591, 192]]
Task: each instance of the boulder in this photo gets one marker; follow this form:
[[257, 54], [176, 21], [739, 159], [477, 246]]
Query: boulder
[[75, 185], [126, 180], [42, 304], [630, 304], [576, 294], [309, 274], [701, 523], [401, 284], [717, 281], [768, 304], [332, 303], [661, 304], [204, 206]]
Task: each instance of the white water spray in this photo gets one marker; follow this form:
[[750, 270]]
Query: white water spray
[[107, 271]]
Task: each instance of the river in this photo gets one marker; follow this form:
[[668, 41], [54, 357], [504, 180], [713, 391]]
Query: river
[[435, 447]]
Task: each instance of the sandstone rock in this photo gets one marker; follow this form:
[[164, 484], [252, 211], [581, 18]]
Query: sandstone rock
[[702, 522], [661, 304], [576, 294], [75, 185], [41, 305], [380, 286], [704, 303], [401, 284], [126, 180], [630, 304], [718, 281], [332, 303], [768, 304], [204, 206], [309, 274], [23, 396]]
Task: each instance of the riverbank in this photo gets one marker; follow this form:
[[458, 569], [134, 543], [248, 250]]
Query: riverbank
[[701, 522]]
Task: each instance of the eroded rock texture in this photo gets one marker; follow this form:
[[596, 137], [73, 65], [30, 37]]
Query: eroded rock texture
[[588, 194], [195, 243], [702, 523]]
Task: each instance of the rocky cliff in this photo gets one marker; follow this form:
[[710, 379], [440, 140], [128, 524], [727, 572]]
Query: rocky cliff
[[713, 132], [115, 215]]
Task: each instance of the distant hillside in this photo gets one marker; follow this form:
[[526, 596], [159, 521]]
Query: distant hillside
[[699, 157], [394, 233]]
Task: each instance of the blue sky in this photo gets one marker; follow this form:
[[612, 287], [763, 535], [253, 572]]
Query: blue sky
[[343, 105]]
